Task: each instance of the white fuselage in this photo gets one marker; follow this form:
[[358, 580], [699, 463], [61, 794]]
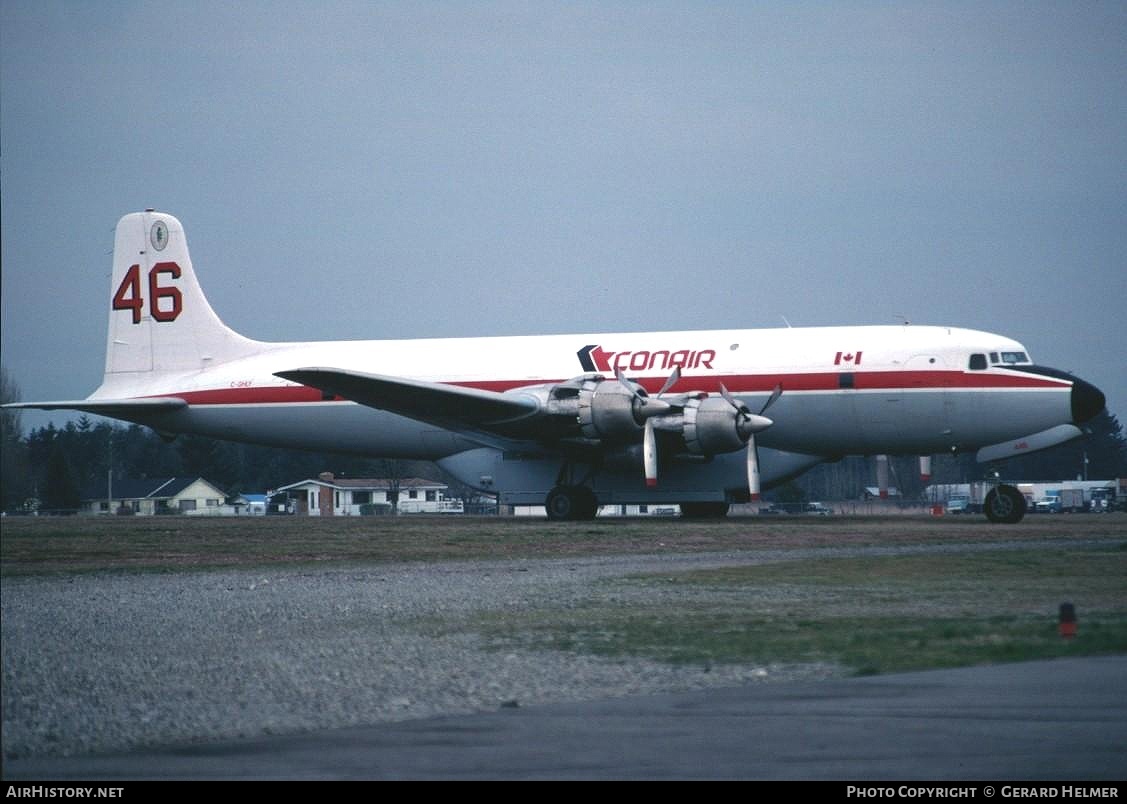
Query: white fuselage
[[900, 389]]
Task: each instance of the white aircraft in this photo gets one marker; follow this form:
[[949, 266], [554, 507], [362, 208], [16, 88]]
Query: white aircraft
[[576, 421]]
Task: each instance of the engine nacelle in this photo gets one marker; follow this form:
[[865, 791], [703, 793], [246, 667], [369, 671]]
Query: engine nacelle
[[605, 412], [711, 426]]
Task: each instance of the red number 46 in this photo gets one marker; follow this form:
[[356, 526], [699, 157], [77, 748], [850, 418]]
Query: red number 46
[[129, 293]]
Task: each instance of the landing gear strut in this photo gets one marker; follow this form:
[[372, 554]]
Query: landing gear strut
[[1005, 505], [571, 502]]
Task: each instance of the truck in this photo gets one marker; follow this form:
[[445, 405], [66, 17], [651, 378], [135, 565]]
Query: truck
[[1102, 501], [958, 504], [1056, 501]]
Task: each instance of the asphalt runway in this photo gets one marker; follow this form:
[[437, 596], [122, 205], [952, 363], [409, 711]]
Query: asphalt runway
[[1063, 720]]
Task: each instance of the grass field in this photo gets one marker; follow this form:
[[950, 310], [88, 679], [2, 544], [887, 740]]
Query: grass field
[[907, 593]]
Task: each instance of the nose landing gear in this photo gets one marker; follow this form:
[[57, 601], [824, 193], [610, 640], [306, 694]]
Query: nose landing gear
[[1004, 504]]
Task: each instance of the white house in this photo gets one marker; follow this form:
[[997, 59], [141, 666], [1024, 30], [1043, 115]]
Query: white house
[[332, 496], [148, 496]]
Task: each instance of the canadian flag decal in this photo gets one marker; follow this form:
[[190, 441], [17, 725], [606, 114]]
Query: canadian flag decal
[[847, 357]]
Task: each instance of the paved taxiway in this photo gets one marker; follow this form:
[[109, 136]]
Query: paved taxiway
[[1063, 720]]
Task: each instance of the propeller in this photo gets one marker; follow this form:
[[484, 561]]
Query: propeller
[[748, 424], [645, 408]]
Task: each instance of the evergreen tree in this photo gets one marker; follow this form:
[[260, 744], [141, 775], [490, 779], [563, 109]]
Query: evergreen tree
[[61, 493], [15, 481]]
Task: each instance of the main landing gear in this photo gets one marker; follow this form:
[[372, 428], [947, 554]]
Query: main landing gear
[[1004, 504], [571, 502]]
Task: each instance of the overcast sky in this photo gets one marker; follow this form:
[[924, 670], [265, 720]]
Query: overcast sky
[[399, 170]]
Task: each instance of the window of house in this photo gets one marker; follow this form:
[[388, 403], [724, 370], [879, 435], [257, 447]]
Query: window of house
[[413, 494], [432, 496], [361, 497]]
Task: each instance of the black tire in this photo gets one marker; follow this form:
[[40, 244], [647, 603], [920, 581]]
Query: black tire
[[571, 503], [704, 510], [1004, 505]]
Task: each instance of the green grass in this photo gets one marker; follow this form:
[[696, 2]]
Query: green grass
[[954, 591], [30, 545], [868, 616]]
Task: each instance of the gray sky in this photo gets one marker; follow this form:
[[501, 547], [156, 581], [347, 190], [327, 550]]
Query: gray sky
[[397, 170]]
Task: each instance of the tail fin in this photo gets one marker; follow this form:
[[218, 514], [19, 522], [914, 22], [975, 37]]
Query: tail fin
[[160, 320]]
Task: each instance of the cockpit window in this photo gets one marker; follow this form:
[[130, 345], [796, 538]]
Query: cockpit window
[[977, 362], [1011, 358], [993, 358]]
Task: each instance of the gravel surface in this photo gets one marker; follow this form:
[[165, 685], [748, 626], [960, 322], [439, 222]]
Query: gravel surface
[[113, 661], [109, 661]]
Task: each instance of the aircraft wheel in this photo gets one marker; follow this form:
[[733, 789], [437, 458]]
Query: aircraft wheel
[[704, 510], [571, 502], [1005, 505]]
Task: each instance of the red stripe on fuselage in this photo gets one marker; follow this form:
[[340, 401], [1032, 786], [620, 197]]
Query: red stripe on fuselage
[[737, 383]]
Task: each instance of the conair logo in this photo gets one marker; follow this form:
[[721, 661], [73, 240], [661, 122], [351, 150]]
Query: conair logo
[[595, 358]]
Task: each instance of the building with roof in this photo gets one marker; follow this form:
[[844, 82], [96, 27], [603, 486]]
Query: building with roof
[[155, 495], [328, 495]]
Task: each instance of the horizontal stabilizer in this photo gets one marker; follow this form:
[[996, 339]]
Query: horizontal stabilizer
[[113, 408], [1031, 443], [438, 403]]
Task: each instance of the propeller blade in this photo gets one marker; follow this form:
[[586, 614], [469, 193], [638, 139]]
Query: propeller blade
[[632, 387], [753, 469], [772, 399], [673, 378], [731, 400], [649, 453]]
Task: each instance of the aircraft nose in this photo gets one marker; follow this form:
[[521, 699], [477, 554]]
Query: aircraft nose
[[1087, 400]]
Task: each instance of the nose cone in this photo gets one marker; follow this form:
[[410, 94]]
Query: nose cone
[[1087, 401]]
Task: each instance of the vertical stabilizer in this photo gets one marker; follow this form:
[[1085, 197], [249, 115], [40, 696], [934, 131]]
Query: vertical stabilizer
[[160, 320]]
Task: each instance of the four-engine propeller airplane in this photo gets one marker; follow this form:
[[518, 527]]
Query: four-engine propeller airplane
[[575, 421]]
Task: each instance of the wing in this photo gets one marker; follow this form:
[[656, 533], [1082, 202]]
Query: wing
[[451, 407], [113, 408]]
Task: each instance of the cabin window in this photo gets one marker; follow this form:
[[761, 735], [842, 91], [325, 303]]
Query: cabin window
[[845, 379], [977, 362]]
